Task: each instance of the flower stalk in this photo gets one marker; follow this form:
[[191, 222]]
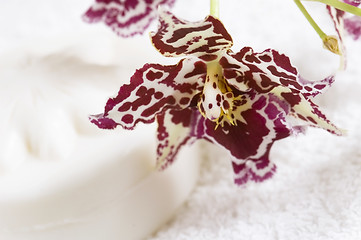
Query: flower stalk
[[214, 11], [329, 42], [310, 19]]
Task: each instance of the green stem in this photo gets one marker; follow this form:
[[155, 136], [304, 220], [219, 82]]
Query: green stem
[[340, 5], [215, 8], [310, 19]]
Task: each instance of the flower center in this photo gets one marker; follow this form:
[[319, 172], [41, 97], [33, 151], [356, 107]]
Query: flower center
[[217, 99]]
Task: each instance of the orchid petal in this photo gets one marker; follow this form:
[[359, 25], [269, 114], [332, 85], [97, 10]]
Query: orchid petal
[[314, 88], [305, 110], [259, 121], [203, 39], [126, 18], [259, 71], [254, 170], [153, 89], [272, 72], [353, 26], [174, 131]]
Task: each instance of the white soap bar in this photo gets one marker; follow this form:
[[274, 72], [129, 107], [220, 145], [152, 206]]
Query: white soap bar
[[108, 191], [62, 177]]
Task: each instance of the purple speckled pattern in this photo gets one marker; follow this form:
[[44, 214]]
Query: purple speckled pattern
[[353, 26], [125, 17], [353, 23], [259, 98]]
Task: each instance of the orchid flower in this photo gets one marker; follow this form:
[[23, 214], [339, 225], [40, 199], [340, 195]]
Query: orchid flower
[[242, 102], [125, 17]]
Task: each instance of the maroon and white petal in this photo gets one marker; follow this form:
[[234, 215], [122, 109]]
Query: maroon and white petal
[[313, 88], [153, 89], [174, 131], [256, 170], [125, 17], [234, 72], [259, 122], [259, 71], [264, 71], [353, 26], [305, 110], [178, 37]]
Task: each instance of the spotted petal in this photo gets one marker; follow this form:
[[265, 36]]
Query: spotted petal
[[314, 88], [259, 71], [152, 90], [305, 110], [353, 26], [125, 17], [259, 121], [174, 131], [353, 23], [177, 37]]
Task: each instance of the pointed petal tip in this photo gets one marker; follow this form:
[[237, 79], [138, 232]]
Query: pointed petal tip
[[340, 132], [163, 164], [103, 122]]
